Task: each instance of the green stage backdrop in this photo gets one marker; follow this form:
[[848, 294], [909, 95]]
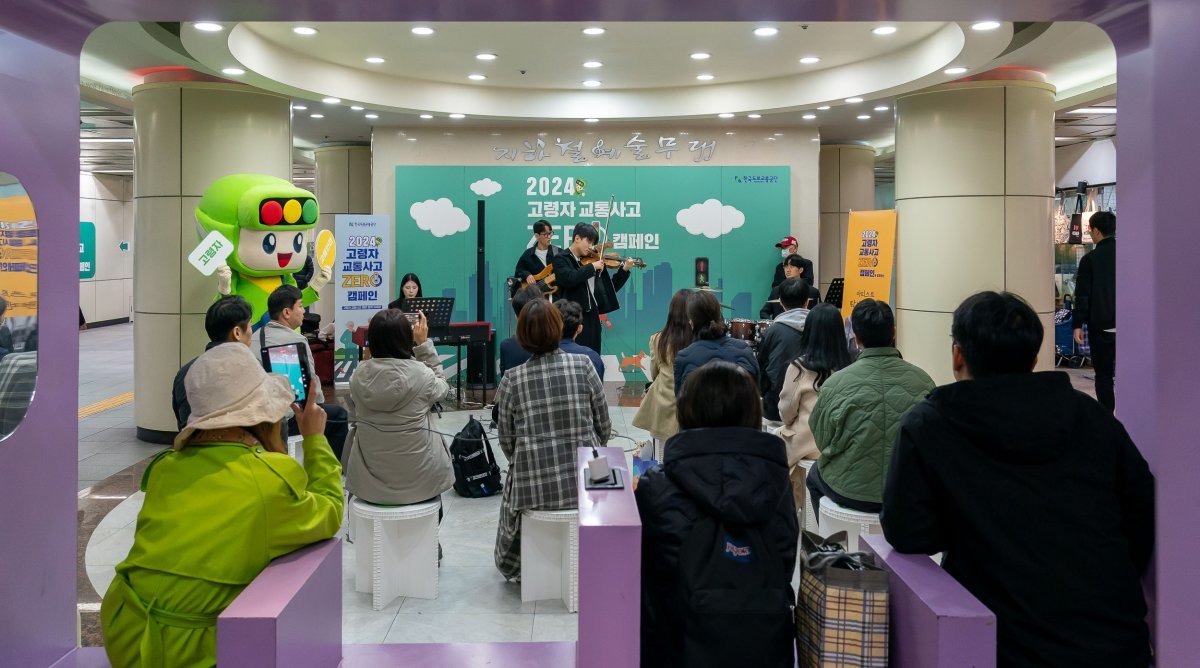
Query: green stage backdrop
[[667, 216]]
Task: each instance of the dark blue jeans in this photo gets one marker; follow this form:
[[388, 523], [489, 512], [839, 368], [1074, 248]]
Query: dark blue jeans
[[817, 489]]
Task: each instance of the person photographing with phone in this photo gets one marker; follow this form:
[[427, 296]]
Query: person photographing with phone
[[219, 506]]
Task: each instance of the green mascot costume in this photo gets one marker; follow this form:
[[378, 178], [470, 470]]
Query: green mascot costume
[[268, 221]]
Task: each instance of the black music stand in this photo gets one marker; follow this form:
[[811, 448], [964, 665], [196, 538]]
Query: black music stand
[[834, 294], [437, 312]]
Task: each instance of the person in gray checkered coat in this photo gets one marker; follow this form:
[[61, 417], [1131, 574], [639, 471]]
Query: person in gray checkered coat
[[548, 407]]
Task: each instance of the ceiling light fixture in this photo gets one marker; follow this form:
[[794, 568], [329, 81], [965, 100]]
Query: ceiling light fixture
[[1094, 110], [355, 107], [206, 26], [411, 138], [426, 116], [985, 25], [422, 30], [823, 107], [458, 116], [853, 100], [299, 107], [316, 115], [375, 60], [233, 71], [809, 60], [591, 120], [730, 133], [476, 77], [331, 100], [371, 116], [594, 30], [1064, 138], [106, 140], [808, 117], [591, 83], [864, 117], [753, 115], [304, 30], [485, 56], [778, 134], [593, 64], [700, 55], [884, 30], [881, 108], [704, 77], [725, 115], [958, 69], [766, 31]]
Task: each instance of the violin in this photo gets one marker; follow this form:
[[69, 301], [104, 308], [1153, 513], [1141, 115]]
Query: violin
[[611, 260]]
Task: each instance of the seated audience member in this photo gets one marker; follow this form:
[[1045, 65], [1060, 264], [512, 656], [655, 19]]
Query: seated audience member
[[410, 288], [781, 344], [6, 338], [572, 317], [396, 457], [1042, 504], [227, 321], [548, 407], [511, 352], [710, 341], [858, 413], [723, 490], [794, 266], [18, 374], [287, 312], [657, 412], [822, 353], [218, 507]]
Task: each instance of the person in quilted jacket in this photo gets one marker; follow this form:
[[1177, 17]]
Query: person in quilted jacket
[[859, 411]]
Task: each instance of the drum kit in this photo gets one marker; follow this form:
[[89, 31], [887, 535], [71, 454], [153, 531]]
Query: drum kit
[[750, 331]]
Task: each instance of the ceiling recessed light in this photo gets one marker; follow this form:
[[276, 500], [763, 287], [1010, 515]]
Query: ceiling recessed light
[[299, 107], [881, 108], [411, 138], [985, 25], [778, 134], [853, 100], [374, 60], [725, 115], [316, 115], [591, 83], [955, 70], [371, 116], [426, 116], [355, 107], [753, 115], [704, 77], [864, 117], [1063, 138], [485, 56], [770, 139], [233, 71], [1094, 110], [808, 117], [331, 100], [809, 60], [304, 30], [884, 30], [106, 140], [594, 30], [476, 77], [593, 64], [206, 26], [766, 31], [823, 107], [700, 55], [458, 116], [448, 134], [422, 30], [591, 120], [730, 133]]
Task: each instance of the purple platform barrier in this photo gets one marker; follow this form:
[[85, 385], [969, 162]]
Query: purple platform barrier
[[936, 623], [610, 570], [290, 615]]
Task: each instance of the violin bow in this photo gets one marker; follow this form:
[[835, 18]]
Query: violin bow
[[607, 220]]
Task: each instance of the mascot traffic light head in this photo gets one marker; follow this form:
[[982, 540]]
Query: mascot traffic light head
[[267, 219]]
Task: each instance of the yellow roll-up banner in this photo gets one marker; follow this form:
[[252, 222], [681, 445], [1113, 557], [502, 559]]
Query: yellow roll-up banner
[[870, 252]]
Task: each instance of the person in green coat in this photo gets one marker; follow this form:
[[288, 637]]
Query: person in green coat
[[858, 413], [219, 506]]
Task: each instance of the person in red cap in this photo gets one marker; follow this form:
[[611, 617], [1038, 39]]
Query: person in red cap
[[789, 246]]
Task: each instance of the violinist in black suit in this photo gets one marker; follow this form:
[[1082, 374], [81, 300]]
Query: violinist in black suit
[[589, 285], [538, 256]]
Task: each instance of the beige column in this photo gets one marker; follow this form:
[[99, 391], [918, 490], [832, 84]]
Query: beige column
[[343, 185], [188, 134], [974, 190], [847, 184]]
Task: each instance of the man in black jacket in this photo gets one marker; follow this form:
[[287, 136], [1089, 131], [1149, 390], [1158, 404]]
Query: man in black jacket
[[1042, 505], [227, 321], [538, 256], [1096, 304], [788, 246], [588, 285], [781, 344]]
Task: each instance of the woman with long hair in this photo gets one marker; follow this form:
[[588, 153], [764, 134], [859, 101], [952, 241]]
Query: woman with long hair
[[410, 288], [823, 352], [657, 412], [710, 340]]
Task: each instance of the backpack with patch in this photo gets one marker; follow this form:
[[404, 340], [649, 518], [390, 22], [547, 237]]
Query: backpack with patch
[[737, 601], [476, 474]]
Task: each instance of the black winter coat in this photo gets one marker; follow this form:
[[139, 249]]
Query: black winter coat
[[571, 277], [703, 351], [734, 474], [1043, 507], [1096, 288]]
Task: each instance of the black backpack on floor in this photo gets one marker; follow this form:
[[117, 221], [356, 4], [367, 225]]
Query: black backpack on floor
[[476, 474], [737, 601]]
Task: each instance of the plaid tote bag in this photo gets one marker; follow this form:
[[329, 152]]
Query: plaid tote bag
[[842, 606]]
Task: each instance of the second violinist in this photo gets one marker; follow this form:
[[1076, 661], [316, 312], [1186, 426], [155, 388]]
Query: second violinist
[[588, 283]]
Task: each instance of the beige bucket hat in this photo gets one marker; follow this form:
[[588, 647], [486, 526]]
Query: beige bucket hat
[[228, 387]]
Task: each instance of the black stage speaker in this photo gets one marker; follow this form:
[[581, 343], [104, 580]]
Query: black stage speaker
[[481, 359]]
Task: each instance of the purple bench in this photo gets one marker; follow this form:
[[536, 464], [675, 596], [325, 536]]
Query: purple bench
[[936, 623]]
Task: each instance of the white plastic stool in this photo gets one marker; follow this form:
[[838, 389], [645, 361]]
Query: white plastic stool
[[550, 556], [396, 550], [810, 517], [835, 518]]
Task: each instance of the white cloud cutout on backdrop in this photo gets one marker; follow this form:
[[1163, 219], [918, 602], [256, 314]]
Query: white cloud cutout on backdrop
[[712, 219], [485, 187], [440, 217]]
